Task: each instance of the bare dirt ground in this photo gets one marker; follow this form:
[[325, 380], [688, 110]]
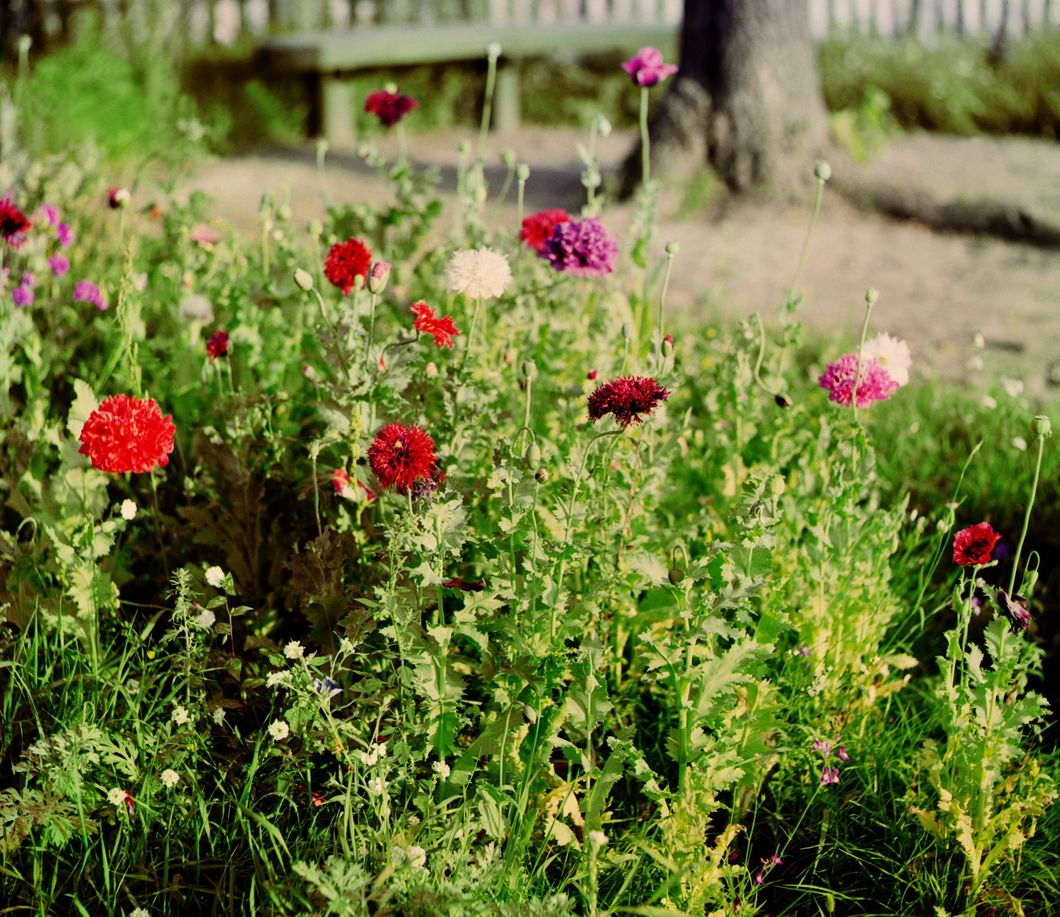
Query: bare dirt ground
[[936, 290]]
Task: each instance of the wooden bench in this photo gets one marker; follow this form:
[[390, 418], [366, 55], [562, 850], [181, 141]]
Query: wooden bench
[[328, 58]]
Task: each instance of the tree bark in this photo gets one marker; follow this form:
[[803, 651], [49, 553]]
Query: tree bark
[[746, 100]]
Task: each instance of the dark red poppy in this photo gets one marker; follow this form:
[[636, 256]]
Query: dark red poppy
[[402, 457], [629, 399], [973, 546], [346, 261]]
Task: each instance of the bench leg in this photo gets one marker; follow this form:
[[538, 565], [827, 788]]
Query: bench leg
[[506, 98], [335, 102]]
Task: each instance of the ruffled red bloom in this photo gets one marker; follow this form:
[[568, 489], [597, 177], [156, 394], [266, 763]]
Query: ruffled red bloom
[[346, 261], [402, 457], [389, 107], [974, 545], [629, 399], [441, 329], [13, 223], [217, 346], [127, 434], [538, 227]]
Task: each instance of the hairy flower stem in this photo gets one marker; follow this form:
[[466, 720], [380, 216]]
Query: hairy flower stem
[[870, 300], [645, 140], [662, 297], [520, 195], [371, 328], [471, 331], [487, 101], [1027, 514], [818, 197], [569, 520]]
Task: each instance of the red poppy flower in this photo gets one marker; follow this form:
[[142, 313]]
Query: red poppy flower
[[217, 346], [538, 227], [442, 329], [402, 457], [974, 545], [389, 107], [13, 223], [127, 434], [458, 583], [628, 399], [346, 261]]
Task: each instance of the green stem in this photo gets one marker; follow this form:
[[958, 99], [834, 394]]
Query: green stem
[[645, 141], [662, 295], [487, 102], [806, 241], [371, 330], [471, 330], [1027, 514], [870, 300]]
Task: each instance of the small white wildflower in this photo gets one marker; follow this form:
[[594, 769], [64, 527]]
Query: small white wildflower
[[215, 576], [345, 645], [415, 856], [180, 715], [376, 786], [196, 308], [116, 796], [441, 769], [480, 273], [128, 510], [205, 619], [1013, 387], [294, 650], [278, 678], [140, 912], [279, 730], [219, 715], [381, 749], [170, 778], [1018, 442], [132, 685], [892, 354], [368, 758], [597, 838], [989, 403]]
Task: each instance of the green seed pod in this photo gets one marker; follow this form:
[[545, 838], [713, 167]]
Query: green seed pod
[[675, 576], [1042, 426], [533, 456], [822, 171], [522, 171], [528, 370]]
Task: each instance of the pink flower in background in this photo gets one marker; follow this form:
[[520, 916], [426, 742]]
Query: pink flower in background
[[204, 235], [875, 383], [49, 215], [59, 264], [647, 68], [23, 295], [117, 197], [389, 107], [85, 291], [64, 234]]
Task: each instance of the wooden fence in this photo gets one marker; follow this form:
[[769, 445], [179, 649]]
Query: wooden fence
[[202, 23]]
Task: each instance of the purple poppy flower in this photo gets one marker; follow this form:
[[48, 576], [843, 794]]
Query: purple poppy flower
[[647, 68], [59, 264], [84, 291], [581, 248]]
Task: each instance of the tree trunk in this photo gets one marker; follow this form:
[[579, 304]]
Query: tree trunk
[[746, 100]]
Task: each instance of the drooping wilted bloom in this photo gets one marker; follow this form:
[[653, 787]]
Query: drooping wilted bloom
[[441, 328], [1015, 607], [629, 399]]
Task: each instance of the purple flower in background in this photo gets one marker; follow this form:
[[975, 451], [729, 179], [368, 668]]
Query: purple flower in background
[[830, 775], [1015, 606], [647, 67], [874, 383], [64, 234], [581, 248], [22, 295], [84, 291], [59, 265]]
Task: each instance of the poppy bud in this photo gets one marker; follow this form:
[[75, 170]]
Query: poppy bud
[[675, 576], [541, 475], [378, 274], [783, 401], [528, 370], [533, 456], [822, 171], [303, 280], [1042, 426]]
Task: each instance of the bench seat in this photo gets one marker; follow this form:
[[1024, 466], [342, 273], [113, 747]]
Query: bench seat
[[327, 58]]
